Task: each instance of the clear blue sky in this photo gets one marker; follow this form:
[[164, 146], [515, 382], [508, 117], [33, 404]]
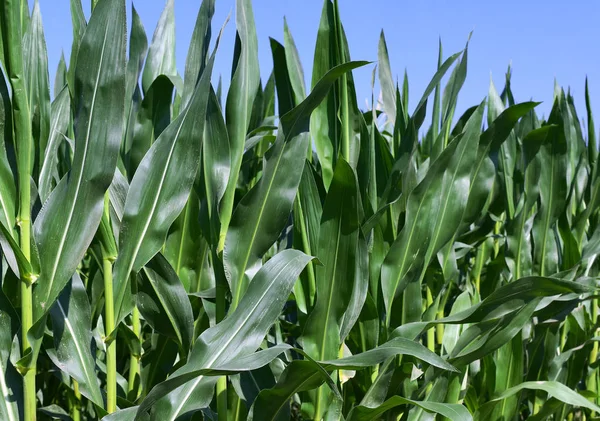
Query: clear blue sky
[[544, 40]]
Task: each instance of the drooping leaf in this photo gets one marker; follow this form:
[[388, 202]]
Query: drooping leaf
[[71, 325], [236, 336]]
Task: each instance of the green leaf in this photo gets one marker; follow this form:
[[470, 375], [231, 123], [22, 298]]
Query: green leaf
[[216, 165], [11, 404], [263, 212], [59, 122], [35, 69], [342, 281], [386, 80], [452, 411], [238, 335], [165, 176], [79, 25], [244, 85], [509, 373], [483, 167], [434, 210], [343, 265], [161, 53], [166, 292], [71, 325], [197, 56], [503, 301], [305, 375], [8, 193], [553, 195], [554, 389], [153, 116], [138, 47], [294, 66], [60, 78], [67, 223], [324, 123]]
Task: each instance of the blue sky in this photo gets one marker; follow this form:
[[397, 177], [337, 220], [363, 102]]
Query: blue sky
[[544, 40]]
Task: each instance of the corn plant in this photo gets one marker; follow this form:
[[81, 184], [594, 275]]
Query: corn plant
[[171, 251]]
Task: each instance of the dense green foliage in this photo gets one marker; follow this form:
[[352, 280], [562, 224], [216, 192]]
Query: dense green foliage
[[174, 252]]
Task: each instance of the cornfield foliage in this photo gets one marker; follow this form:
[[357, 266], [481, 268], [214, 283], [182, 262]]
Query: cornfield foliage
[[171, 251]]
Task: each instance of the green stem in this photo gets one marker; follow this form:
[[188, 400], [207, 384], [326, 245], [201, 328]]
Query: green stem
[[310, 271], [76, 414], [343, 83], [479, 261], [221, 290], [109, 255], [12, 17], [26, 323], [431, 331], [111, 345], [134, 360]]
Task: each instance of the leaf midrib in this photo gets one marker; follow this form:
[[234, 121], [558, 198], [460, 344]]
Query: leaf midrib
[[6, 394], [231, 338], [90, 379], [63, 238]]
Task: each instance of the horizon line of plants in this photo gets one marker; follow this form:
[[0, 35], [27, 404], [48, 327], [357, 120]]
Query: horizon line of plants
[[280, 253]]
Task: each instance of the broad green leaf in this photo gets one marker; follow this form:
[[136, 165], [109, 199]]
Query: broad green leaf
[[307, 214], [170, 302], [324, 124], [197, 56], [20, 265], [184, 247], [455, 83], [8, 189], [79, 25], [65, 226], [506, 154], [386, 80], [35, 69], [238, 335], [294, 66], [263, 212], [286, 97], [138, 46], [71, 325], [128, 414], [299, 376], [509, 373], [554, 389], [434, 210], [245, 81], [451, 411], [306, 375], [10, 381], [216, 166], [553, 195], [437, 77], [241, 365], [483, 167], [161, 52], [60, 78], [165, 176], [341, 283], [505, 300], [153, 116], [592, 140], [60, 117]]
